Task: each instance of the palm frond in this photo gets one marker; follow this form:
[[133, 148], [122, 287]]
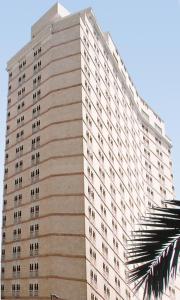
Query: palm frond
[[155, 250]]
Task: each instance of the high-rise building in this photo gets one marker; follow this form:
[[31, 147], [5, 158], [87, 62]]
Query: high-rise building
[[85, 157]]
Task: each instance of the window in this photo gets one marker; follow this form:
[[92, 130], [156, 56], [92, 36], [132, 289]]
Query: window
[[87, 86], [92, 234], [102, 192], [4, 204], [111, 157], [117, 282], [20, 121], [106, 291], [16, 290], [36, 95], [33, 269], [114, 209], [97, 63], [146, 141], [93, 297], [17, 234], [147, 153], [22, 64], [16, 271], [89, 138], [34, 249], [3, 237], [90, 173], [36, 126], [92, 253], [104, 249], [104, 230], [172, 292], [102, 173], [86, 56], [36, 111], [35, 158], [34, 211], [114, 226], [6, 171], [9, 101], [37, 66], [101, 157], [90, 154], [87, 72], [8, 115], [92, 214], [19, 135], [93, 277], [91, 193], [35, 142], [35, 175], [17, 216], [21, 92], [112, 191], [33, 289], [7, 128], [19, 166], [116, 263], [36, 81], [16, 251], [21, 79], [5, 188], [2, 272], [17, 200], [7, 142], [150, 192], [3, 252], [6, 157], [158, 141], [100, 139], [37, 52], [123, 222], [88, 103], [115, 244], [88, 121], [105, 269], [163, 191], [18, 182], [34, 230], [35, 193], [20, 107], [103, 211], [128, 295]]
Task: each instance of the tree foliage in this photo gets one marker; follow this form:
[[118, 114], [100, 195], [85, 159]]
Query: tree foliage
[[155, 249]]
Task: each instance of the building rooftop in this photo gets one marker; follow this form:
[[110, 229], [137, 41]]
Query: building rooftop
[[57, 11]]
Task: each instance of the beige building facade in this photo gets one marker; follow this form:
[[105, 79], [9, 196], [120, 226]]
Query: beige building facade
[[85, 157]]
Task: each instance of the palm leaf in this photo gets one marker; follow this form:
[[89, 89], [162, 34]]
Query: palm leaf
[[155, 250]]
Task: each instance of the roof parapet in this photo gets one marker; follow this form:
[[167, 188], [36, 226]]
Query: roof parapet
[[57, 11]]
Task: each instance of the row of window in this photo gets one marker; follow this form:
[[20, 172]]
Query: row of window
[[23, 62], [16, 250], [34, 231], [111, 157], [20, 121], [18, 201], [16, 288], [148, 153], [85, 39]]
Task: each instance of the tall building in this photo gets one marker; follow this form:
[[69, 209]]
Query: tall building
[[85, 157]]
